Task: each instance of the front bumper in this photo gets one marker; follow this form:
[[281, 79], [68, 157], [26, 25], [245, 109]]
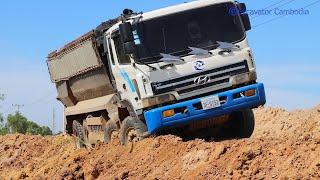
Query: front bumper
[[155, 120]]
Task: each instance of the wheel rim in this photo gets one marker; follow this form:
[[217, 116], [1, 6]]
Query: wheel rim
[[132, 135], [114, 135]]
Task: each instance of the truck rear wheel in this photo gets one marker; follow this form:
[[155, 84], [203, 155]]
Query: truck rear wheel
[[111, 131], [132, 130], [242, 123], [78, 133]]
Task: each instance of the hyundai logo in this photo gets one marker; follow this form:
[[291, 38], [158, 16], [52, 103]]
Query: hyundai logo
[[199, 65], [201, 80]]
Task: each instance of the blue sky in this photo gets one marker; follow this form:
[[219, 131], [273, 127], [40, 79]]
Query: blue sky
[[285, 49]]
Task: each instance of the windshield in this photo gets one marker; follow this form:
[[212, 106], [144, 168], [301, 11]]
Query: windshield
[[200, 28]]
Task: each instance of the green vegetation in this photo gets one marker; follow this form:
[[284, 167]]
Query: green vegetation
[[17, 123], [1, 117]]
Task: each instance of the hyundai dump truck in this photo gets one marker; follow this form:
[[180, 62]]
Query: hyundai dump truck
[[187, 67]]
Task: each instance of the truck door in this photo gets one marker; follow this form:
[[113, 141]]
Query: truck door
[[123, 71]]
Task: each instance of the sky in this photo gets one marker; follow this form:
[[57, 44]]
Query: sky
[[284, 46]]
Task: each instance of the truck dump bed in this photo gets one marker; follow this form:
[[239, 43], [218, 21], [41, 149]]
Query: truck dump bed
[[79, 72], [74, 58]]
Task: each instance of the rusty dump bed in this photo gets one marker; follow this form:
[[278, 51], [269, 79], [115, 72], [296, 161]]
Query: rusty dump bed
[[79, 72], [77, 57]]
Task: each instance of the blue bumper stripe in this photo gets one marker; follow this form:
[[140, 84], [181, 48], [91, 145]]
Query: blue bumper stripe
[[155, 121]]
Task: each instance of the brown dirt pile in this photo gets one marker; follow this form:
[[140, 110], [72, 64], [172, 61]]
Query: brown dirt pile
[[285, 145]]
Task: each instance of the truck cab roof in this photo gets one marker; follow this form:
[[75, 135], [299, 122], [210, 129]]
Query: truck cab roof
[[180, 8], [173, 10]]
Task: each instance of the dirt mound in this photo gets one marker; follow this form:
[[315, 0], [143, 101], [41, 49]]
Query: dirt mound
[[278, 123], [284, 145]]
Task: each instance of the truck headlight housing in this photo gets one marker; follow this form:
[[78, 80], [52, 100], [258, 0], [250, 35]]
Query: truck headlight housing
[[240, 79], [157, 100], [244, 78]]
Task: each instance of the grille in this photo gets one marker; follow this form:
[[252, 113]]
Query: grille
[[186, 84]]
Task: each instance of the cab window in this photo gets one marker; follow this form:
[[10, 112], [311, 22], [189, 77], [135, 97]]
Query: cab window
[[110, 51], [122, 58]]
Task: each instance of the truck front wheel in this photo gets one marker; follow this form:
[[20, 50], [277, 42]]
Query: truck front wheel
[[242, 123], [78, 133], [132, 130]]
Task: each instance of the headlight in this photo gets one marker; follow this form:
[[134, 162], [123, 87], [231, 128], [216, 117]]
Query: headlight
[[161, 99], [240, 79], [244, 78]]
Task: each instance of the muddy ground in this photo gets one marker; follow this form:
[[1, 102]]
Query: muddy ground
[[285, 145]]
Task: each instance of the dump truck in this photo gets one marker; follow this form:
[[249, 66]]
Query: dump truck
[[183, 68]]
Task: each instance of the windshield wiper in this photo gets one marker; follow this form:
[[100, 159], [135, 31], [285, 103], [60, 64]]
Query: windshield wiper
[[153, 68], [225, 46], [198, 51], [170, 58]]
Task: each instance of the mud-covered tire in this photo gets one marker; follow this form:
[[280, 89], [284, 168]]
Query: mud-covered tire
[[129, 125], [78, 132], [242, 123], [111, 127]]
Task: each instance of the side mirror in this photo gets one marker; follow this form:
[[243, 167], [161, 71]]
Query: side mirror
[[246, 21], [127, 38], [242, 7], [129, 47], [126, 32]]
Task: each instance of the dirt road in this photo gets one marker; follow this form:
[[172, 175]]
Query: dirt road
[[285, 145]]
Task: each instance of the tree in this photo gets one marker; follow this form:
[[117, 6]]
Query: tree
[[3, 127], [45, 130], [3, 131], [1, 116], [17, 123], [34, 128]]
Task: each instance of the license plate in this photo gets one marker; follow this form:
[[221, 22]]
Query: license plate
[[210, 102]]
